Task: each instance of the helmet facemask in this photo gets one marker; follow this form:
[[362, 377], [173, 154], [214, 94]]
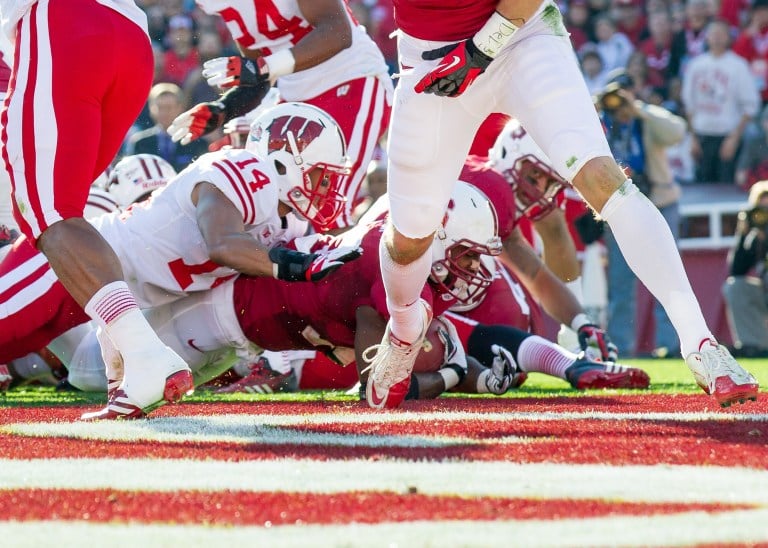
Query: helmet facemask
[[462, 273], [534, 198], [308, 151], [319, 199]]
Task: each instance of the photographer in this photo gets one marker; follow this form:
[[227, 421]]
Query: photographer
[[746, 290], [639, 134]]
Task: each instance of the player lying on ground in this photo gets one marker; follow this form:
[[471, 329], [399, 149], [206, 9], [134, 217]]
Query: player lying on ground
[[337, 314], [226, 213]]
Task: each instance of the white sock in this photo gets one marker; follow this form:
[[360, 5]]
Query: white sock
[[537, 354], [114, 308], [650, 251], [403, 284]]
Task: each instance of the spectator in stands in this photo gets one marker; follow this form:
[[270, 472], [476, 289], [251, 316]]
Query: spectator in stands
[[157, 24], [752, 163], [637, 69], [639, 134], [613, 46], [592, 69], [745, 290], [577, 23], [630, 21], [166, 102], [736, 12], [752, 45], [689, 41], [182, 56], [658, 47], [720, 99], [196, 88]]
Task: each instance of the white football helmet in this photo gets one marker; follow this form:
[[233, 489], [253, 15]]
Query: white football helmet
[[470, 227], [103, 179], [298, 139], [517, 156], [239, 128], [100, 202], [135, 177]]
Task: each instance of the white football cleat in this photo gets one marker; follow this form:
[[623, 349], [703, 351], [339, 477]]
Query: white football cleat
[[719, 375], [391, 363]]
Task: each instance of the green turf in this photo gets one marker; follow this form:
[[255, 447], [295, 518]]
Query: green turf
[[667, 377]]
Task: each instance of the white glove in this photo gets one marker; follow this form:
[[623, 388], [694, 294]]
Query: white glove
[[504, 372], [454, 350]]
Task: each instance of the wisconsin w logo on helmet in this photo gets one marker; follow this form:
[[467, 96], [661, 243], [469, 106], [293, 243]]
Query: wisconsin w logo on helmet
[[304, 132], [307, 149]]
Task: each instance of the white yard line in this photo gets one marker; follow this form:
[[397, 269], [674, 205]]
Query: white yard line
[[676, 530], [238, 428], [660, 483]]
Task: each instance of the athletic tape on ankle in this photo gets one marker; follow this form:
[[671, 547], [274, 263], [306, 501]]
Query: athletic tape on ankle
[[280, 63], [450, 376], [580, 320], [482, 387], [494, 35]]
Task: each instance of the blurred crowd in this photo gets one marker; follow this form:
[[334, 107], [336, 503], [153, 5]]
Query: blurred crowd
[[655, 41]]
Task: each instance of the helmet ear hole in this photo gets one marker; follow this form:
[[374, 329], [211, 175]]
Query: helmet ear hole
[[280, 167]]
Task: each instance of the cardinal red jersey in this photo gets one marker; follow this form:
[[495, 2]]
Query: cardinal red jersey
[[281, 315], [506, 302], [442, 21], [477, 172]]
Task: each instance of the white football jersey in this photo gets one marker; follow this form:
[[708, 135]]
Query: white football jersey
[[161, 249], [273, 25]]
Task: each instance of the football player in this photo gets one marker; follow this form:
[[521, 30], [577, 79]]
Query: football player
[[227, 213], [442, 97], [313, 51]]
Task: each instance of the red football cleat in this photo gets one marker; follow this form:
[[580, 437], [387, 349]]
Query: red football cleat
[[584, 374]]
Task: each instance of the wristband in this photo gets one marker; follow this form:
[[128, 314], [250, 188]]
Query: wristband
[[575, 287], [482, 387], [579, 321], [494, 35], [280, 63], [450, 377]]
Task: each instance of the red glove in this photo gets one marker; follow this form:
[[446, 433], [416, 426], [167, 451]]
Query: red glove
[[462, 63], [197, 121], [229, 72]]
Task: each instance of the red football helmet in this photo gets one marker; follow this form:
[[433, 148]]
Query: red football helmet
[[538, 187], [469, 230], [304, 143]]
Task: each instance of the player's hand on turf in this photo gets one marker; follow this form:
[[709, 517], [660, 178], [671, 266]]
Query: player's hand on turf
[[461, 64], [196, 122], [229, 72], [596, 344], [504, 371], [295, 266], [5, 378]]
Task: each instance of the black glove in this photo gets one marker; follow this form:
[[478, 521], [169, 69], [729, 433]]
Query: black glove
[[462, 63], [295, 266], [589, 229]]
